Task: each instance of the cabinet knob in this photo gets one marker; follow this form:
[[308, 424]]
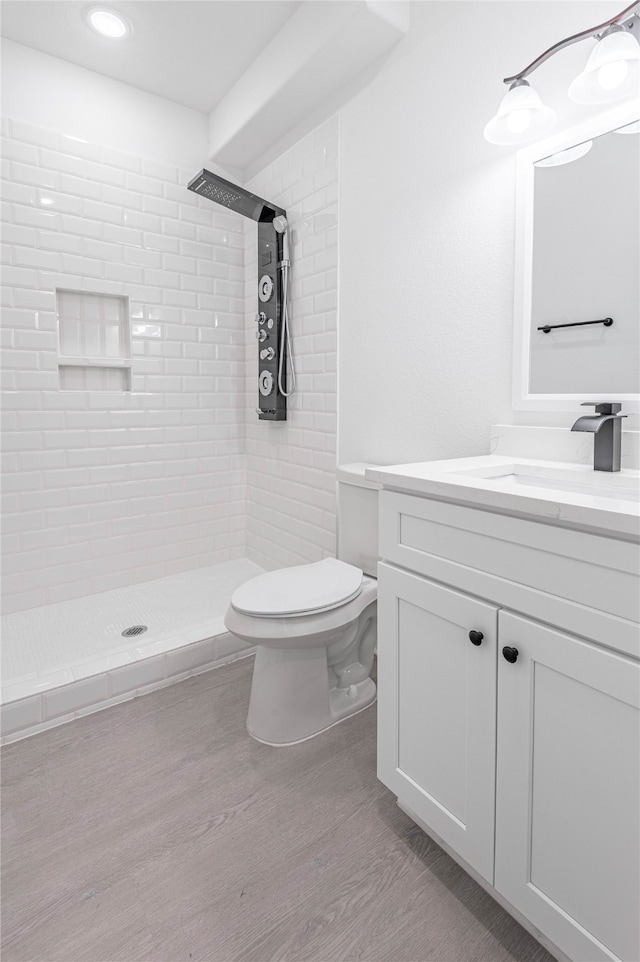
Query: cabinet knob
[[510, 654], [475, 637]]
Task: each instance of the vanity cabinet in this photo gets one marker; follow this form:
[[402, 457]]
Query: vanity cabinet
[[526, 770], [567, 805], [437, 709]]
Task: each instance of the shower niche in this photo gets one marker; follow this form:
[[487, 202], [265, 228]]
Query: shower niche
[[271, 288], [94, 348]]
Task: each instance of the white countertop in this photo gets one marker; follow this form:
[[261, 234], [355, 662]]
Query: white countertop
[[572, 495]]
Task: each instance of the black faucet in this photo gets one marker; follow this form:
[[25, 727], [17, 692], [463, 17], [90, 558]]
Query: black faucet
[[606, 424]]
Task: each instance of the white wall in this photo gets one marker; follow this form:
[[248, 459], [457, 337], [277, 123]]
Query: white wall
[[106, 489], [56, 95], [427, 228]]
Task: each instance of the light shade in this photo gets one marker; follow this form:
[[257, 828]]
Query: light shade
[[632, 128], [612, 71], [565, 156], [521, 117], [108, 23]]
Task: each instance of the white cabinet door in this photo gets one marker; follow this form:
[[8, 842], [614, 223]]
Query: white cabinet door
[[436, 709], [568, 800]]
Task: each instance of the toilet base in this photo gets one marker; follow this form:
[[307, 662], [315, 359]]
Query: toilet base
[[353, 711], [290, 698]]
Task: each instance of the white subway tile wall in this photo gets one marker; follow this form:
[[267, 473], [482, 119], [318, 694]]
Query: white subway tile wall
[[103, 488], [291, 465]]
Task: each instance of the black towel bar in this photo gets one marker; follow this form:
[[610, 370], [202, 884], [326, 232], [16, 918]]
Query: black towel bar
[[607, 321]]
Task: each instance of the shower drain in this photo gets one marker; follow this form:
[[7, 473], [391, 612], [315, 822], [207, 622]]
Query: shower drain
[[134, 630]]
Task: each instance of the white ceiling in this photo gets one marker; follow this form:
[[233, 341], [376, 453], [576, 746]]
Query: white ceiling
[[264, 72], [188, 51]]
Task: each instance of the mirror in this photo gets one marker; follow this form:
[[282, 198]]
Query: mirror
[[577, 257]]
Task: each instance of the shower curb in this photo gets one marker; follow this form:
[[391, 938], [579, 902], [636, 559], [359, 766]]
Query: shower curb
[[29, 714]]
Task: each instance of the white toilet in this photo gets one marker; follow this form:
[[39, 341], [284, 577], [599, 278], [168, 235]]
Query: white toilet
[[314, 627]]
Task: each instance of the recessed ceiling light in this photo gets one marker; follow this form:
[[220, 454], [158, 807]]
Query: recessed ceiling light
[[108, 23]]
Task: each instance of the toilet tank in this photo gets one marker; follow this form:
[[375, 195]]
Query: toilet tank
[[358, 517]]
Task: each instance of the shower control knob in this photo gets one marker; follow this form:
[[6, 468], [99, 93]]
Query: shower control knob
[[265, 288], [261, 317], [265, 382], [270, 323], [267, 354], [261, 335]]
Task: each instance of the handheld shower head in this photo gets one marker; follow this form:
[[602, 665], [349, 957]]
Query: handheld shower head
[[281, 225]]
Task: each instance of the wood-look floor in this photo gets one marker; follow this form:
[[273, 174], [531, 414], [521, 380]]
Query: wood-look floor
[[159, 831]]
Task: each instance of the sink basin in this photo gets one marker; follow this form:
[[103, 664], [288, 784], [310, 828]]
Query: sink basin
[[576, 480], [571, 495]]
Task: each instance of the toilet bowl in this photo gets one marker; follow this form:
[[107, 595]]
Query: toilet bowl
[[315, 631], [314, 628]]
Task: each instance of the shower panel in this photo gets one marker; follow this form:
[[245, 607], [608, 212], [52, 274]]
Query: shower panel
[[271, 316]]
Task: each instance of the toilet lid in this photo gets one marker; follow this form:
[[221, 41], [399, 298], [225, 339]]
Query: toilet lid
[[301, 590]]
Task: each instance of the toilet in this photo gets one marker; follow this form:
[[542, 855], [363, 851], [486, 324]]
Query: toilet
[[314, 627]]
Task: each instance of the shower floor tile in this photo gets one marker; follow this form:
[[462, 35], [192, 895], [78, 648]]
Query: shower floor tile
[[46, 647]]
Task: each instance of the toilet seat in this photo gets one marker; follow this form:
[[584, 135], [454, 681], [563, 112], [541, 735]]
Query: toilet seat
[[301, 590]]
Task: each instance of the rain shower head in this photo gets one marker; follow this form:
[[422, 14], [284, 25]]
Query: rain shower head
[[223, 192]]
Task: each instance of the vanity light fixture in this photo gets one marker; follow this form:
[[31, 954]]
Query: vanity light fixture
[[612, 73], [632, 128], [108, 23], [521, 116], [612, 70], [565, 156]]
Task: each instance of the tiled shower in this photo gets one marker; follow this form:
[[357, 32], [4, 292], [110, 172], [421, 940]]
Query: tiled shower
[[132, 452]]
